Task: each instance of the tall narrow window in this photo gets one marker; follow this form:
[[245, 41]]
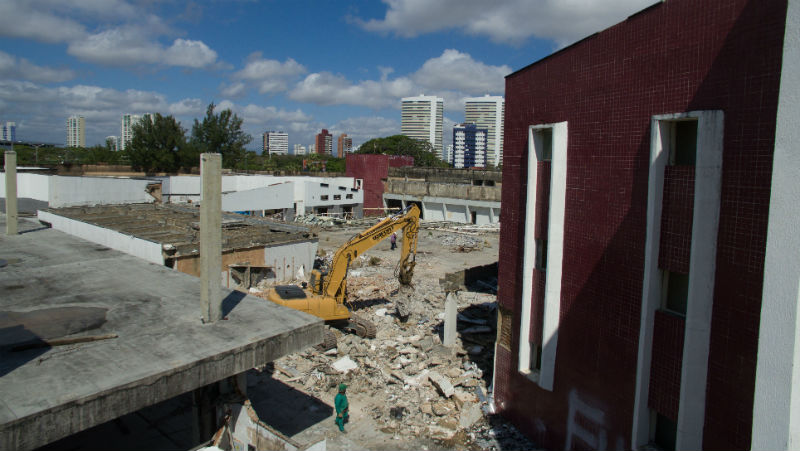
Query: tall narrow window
[[674, 292], [683, 147], [543, 244]]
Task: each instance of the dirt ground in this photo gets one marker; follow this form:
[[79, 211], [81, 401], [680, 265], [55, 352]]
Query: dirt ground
[[407, 390]]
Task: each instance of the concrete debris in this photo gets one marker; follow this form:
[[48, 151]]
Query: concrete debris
[[405, 380], [470, 415], [442, 384], [344, 364]]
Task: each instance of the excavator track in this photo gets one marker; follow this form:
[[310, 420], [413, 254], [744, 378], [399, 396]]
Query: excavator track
[[328, 341], [362, 327]]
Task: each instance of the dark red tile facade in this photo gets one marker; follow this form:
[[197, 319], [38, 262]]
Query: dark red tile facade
[[676, 56], [676, 219], [373, 169], [665, 369]]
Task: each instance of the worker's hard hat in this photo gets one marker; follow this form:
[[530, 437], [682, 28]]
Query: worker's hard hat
[[342, 387]]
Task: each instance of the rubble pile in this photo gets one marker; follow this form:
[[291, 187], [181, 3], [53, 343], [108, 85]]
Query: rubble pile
[[406, 380]]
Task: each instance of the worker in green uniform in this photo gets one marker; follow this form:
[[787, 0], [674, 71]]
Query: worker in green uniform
[[341, 407]]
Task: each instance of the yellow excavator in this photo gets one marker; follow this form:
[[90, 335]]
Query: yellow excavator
[[325, 295]]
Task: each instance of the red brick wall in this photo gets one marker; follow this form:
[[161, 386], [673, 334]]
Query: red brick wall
[[676, 56], [373, 168]]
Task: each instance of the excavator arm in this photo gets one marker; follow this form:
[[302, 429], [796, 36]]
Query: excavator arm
[[333, 283]]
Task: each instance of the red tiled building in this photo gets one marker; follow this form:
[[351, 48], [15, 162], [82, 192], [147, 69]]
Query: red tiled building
[[373, 169], [637, 180]]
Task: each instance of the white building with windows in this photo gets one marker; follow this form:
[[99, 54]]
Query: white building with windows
[[422, 118], [8, 131], [299, 149], [487, 112], [76, 131], [275, 143], [126, 131]]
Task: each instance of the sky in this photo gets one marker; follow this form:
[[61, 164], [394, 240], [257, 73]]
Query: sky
[[296, 65]]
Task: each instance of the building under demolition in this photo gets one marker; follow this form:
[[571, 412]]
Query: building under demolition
[[649, 280], [253, 251]]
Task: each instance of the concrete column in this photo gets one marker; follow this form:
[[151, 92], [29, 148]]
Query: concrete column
[[450, 318], [211, 237], [11, 193]]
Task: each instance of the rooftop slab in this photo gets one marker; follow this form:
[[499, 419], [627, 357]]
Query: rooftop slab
[[54, 286], [178, 226]]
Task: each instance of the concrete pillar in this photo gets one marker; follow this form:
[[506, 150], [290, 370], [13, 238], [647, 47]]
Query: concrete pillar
[[450, 318], [211, 237], [11, 193]]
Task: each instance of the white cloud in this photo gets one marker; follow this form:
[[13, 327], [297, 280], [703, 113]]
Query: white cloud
[[131, 37], [12, 67], [507, 21], [269, 76], [22, 19], [364, 128], [458, 71], [233, 90], [188, 53], [131, 44], [453, 76], [41, 111]]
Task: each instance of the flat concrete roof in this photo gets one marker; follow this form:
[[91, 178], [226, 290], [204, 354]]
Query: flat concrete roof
[[178, 226], [53, 285]]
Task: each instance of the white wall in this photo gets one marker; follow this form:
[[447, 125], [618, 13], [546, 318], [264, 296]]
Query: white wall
[[313, 192], [137, 247], [71, 191], [61, 191], [30, 186], [776, 407], [288, 258], [273, 197]]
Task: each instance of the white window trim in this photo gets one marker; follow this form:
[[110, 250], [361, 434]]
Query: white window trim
[[702, 266], [555, 239], [777, 399]]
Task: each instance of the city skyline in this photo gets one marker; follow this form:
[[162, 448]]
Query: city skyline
[[101, 60]]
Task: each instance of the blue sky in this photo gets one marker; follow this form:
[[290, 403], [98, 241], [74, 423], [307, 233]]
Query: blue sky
[[297, 66]]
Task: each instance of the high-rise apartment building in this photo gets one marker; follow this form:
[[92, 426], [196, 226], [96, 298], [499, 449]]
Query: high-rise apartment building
[[324, 143], [112, 142], [8, 131], [345, 145], [299, 149], [422, 118], [469, 146], [76, 131], [275, 143], [488, 112], [126, 131]]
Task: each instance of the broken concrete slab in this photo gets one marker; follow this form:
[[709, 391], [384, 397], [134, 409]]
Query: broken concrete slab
[[344, 364], [470, 415], [441, 383]]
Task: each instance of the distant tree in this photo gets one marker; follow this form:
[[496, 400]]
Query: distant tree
[[422, 151], [157, 145], [221, 133]]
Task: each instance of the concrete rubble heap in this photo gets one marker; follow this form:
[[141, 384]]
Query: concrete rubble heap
[[405, 379]]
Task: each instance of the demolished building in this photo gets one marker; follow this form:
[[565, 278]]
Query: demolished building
[[253, 250], [649, 286], [468, 196]]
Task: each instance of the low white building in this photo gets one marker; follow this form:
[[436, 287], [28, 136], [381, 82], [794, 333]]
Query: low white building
[[263, 194]]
